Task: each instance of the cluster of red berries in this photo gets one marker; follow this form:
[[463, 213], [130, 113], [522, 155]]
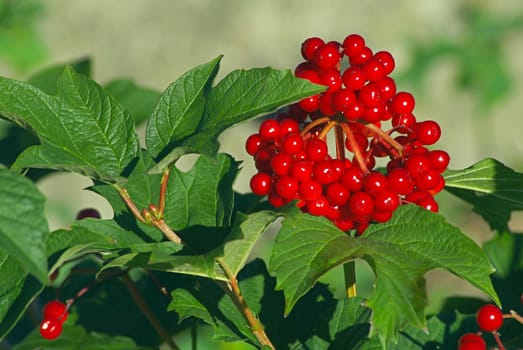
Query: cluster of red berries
[[292, 156], [489, 319], [54, 315]]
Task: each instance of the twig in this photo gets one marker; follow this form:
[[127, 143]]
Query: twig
[[237, 297], [148, 313], [355, 148]]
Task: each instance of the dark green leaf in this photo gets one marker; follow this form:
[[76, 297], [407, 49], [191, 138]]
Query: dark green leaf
[[143, 188], [400, 252], [180, 109], [17, 291], [46, 79], [234, 251], [81, 129], [203, 196], [244, 94], [23, 226], [493, 189], [138, 100]]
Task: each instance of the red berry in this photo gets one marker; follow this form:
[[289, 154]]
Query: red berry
[[88, 213], [353, 44], [400, 181], [55, 309], [417, 165], [403, 102], [310, 104], [50, 328], [386, 201], [316, 149], [308, 74], [337, 194], [427, 132], [286, 187], [310, 190], [471, 341], [370, 95], [343, 99], [489, 318], [375, 183], [331, 78], [318, 207], [327, 56], [281, 163], [253, 144], [288, 126], [361, 57], [374, 70], [324, 172], [309, 47], [361, 204], [292, 144], [352, 179], [261, 184], [269, 130], [439, 160], [354, 78], [387, 88], [404, 122], [386, 59], [301, 170]]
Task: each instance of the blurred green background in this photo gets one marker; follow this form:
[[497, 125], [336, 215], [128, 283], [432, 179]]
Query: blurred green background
[[461, 59]]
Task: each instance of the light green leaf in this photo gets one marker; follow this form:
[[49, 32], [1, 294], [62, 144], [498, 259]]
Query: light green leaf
[[82, 129], [23, 226], [400, 252], [493, 189], [180, 109]]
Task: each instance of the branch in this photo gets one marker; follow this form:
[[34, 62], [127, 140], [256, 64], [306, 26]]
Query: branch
[[237, 297]]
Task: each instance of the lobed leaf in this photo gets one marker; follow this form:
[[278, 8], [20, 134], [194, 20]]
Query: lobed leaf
[[493, 189], [400, 252], [82, 129]]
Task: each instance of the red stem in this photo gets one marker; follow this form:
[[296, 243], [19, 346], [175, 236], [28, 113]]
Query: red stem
[[355, 148]]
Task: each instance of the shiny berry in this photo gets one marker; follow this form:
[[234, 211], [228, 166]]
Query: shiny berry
[[361, 204], [309, 47], [403, 102], [489, 318], [427, 132], [253, 144], [50, 328], [471, 341], [55, 309], [386, 60], [261, 184], [327, 56]]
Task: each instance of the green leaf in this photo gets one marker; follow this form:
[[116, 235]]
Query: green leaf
[[138, 100], [493, 189], [17, 291], [46, 79], [400, 252], [211, 304], [143, 188], [203, 196], [81, 129], [76, 337], [180, 109], [23, 226], [234, 251], [241, 95], [244, 94]]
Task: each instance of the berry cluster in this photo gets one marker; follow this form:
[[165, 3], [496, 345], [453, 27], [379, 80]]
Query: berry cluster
[[292, 155], [489, 319], [54, 315]]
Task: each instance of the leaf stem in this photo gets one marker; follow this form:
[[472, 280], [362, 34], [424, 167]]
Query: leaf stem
[[349, 270], [163, 191], [194, 334], [148, 313], [238, 299], [167, 231], [130, 204]]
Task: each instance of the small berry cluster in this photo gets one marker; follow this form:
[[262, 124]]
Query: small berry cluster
[[292, 156], [489, 319], [54, 315]]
